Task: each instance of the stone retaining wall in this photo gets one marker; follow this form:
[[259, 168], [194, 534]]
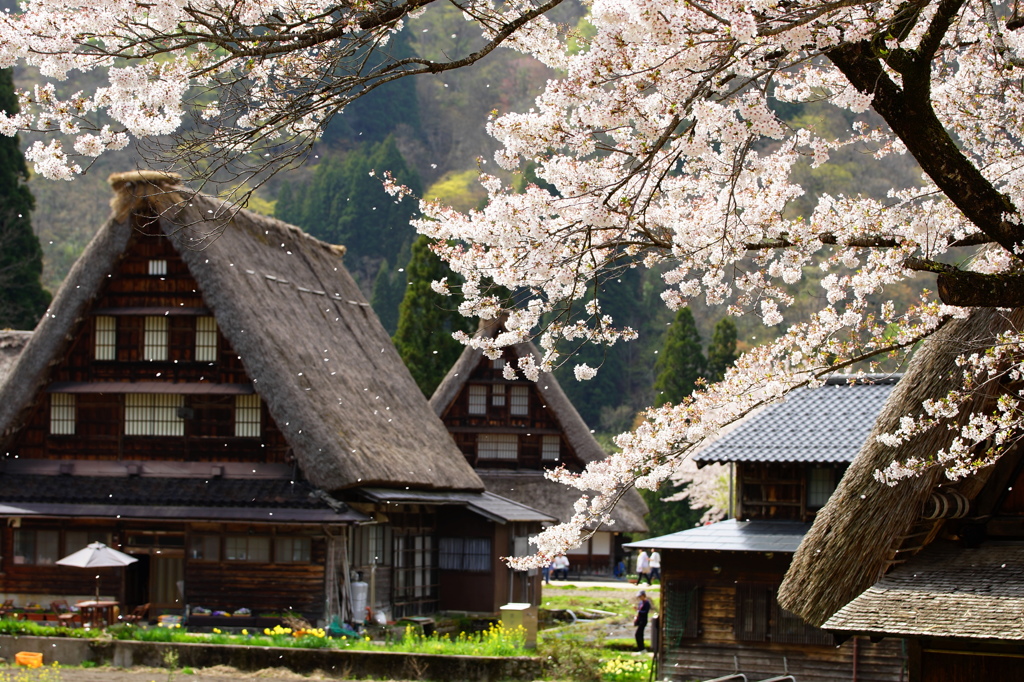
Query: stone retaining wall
[[379, 664]]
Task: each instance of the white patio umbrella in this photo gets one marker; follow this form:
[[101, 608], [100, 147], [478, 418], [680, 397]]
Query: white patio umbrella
[[97, 555]]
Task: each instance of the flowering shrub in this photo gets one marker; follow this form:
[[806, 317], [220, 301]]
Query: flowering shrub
[[626, 670]]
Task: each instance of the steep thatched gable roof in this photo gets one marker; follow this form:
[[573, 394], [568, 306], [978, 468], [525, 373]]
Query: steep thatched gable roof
[[857, 534], [315, 351], [531, 488]]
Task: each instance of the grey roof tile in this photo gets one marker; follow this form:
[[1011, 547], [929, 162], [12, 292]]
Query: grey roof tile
[[827, 424], [733, 536]]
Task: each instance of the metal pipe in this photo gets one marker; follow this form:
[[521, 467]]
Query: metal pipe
[[780, 678], [728, 678]]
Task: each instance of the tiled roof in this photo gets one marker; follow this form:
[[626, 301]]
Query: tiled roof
[[827, 424], [945, 591], [733, 536]]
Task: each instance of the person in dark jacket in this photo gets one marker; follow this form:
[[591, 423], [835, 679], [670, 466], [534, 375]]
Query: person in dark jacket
[[643, 607]]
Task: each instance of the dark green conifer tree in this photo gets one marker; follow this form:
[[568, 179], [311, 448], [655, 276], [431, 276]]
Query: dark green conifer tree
[[344, 204], [722, 349], [22, 297], [427, 319], [681, 361]]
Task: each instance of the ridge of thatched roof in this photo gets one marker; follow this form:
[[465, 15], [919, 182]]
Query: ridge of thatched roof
[[315, 351], [536, 491], [857, 534]]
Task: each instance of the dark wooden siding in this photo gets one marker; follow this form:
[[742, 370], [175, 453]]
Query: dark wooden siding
[[99, 429], [530, 428], [719, 578], [958, 661], [777, 490]]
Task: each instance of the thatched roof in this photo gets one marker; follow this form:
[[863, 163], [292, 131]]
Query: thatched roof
[[316, 353], [531, 488], [857, 534], [946, 591], [11, 345]]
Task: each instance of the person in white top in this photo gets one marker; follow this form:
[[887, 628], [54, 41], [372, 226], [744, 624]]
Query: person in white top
[[643, 568], [655, 562]]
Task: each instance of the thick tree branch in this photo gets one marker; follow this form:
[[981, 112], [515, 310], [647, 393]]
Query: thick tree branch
[[909, 113]]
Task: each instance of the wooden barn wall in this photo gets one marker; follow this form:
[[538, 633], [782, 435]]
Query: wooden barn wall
[[716, 651], [230, 585], [959, 661], [99, 424]]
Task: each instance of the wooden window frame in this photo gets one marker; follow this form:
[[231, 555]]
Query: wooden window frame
[[155, 338], [248, 416], [497, 447], [519, 401], [63, 414], [153, 414], [472, 555], [476, 399], [550, 448], [104, 343], [207, 339]]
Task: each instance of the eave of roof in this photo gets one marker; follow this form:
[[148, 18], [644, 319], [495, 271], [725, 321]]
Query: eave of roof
[[493, 507], [732, 536], [945, 591], [178, 513]]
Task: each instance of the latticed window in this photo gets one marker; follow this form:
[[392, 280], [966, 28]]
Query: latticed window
[[247, 548], [752, 606], [415, 575], [40, 547], [205, 548], [157, 267], [520, 401], [551, 448], [682, 612], [247, 416], [465, 554], [206, 339], [821, 483], [292, 550], [105, 341], [477, 399], [497, 446], [498, 395], [153, 414], [154, 342], [62, 414]]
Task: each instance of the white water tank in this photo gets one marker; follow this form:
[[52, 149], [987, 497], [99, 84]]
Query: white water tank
[[360, 591]]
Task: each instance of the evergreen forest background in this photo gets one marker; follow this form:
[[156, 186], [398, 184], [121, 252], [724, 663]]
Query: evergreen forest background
[[429, 132]]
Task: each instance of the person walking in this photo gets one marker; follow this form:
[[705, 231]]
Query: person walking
[[643, 608], [655, 563], [643, 568]]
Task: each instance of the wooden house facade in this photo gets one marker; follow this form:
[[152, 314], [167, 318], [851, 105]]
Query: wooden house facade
[[719, 610], [210, 393], [511, 430], [936, 563]]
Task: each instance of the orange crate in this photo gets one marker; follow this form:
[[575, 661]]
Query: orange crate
[[29, 659]]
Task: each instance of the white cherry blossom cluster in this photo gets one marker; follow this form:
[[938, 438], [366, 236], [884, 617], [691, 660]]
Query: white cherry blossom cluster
[[660, 138]]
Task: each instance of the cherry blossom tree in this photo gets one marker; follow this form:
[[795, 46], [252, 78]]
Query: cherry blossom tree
[[658, 146]]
